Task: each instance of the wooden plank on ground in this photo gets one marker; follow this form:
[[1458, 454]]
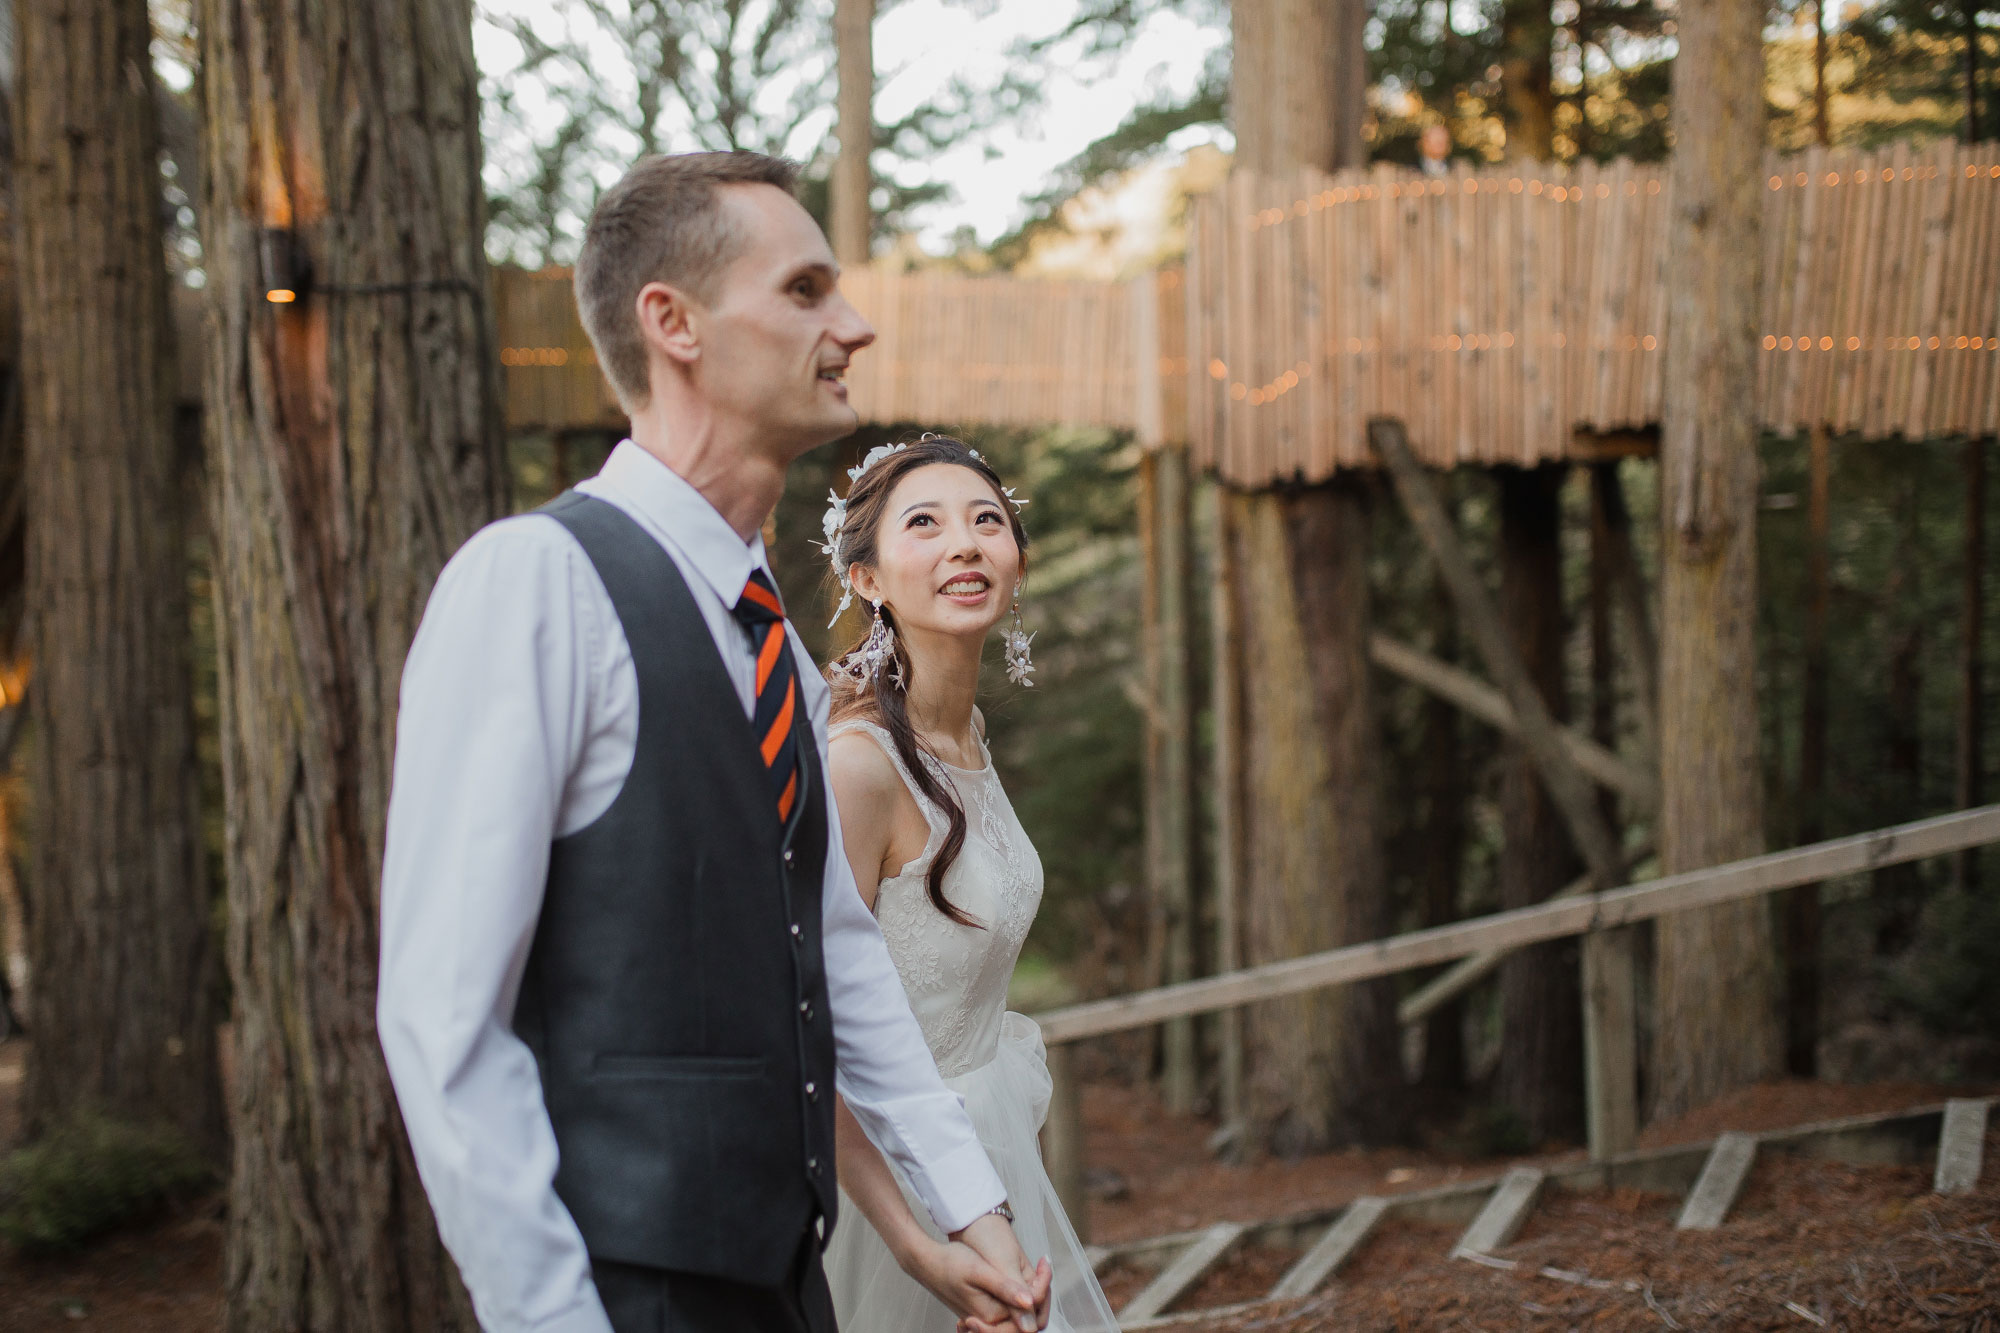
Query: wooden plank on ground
[[1331, 1250], [1722, 1177], [1500, 1220], [1961, 1144], [1175, 1279]]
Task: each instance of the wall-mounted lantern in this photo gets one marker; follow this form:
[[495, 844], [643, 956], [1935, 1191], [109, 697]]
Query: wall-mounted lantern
[[287, 270]]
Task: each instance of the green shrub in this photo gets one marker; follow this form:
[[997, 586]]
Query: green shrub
[[87, 1176]]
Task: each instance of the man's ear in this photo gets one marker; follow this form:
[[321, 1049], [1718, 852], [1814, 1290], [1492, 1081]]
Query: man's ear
[[670, 322]]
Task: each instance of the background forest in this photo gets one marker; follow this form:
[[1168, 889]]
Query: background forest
[[1866, 730]]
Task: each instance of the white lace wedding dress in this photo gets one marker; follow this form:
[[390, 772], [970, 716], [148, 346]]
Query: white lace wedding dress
[[957, 978]]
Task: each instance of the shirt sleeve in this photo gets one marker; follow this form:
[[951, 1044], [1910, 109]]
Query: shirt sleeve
[[493, 716], [884, 1070]]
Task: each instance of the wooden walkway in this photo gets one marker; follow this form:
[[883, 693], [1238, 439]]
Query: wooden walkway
[[1505, 315]]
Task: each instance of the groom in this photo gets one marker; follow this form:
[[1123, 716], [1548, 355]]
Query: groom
[[622, 952]]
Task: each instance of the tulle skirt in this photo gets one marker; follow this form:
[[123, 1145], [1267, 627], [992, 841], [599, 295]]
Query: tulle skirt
[[1007, 1098]]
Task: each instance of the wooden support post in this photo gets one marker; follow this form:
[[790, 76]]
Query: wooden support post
[[1062, 1139], [1226, 677], [1610, 1042], [1170, 826], [1568, 788], [1487, 704]]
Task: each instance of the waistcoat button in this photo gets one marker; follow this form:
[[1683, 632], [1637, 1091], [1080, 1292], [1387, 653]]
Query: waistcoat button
[[788, 856], [796, 932], [806, 1010], [812, 1091], [812, 1165]]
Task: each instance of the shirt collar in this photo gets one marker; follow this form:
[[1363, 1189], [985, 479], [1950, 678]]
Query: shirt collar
[[663, 500]]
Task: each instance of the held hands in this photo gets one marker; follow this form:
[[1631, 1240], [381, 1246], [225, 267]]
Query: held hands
[[1023, 1288], [974, 1290]]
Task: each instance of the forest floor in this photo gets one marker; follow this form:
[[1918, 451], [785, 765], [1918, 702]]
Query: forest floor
[[1861, 1248]]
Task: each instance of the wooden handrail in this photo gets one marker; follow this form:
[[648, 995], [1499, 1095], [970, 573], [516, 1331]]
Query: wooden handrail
[[1529, 925]]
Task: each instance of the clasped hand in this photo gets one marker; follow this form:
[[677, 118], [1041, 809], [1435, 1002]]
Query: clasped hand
[[983, 1277]]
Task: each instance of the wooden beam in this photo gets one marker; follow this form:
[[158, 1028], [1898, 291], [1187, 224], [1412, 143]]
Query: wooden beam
[[1468, 972], [1722, 1177], [1568, 788], [1529, 925], [1490, 706], [1961, 1145], [1500, 1220], [1186, 1270], [1331, 1250]]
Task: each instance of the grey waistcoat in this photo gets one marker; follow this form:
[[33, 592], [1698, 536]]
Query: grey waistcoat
[[675, 994]]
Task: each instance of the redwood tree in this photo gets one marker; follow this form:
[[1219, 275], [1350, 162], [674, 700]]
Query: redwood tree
[[1322, 1068], [1717, 1019], [123, 1008], [356, 441]]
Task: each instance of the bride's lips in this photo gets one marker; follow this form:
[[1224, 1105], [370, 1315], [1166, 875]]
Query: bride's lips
[[967, 589]]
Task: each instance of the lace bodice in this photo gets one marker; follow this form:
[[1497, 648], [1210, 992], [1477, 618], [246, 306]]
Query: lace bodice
[[957, 975]]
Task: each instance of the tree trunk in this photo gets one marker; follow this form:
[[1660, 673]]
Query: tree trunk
[[1802, 914], [1528, 32], [356, 438], [1899, 889], [1822, 128], [124, 1001], [854, 44], [1322, 1069], [1541, 1009], [1972, 632], [1715, 999]]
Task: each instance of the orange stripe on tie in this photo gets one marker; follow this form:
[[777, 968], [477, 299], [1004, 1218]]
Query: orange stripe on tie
[[767, 656], [766, 599], [786, 797], [781, 727]]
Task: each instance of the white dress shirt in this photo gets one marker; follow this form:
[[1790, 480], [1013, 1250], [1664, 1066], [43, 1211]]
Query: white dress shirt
[[518, 720]]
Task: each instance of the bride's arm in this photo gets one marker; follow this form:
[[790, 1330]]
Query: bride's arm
[[869, 793]]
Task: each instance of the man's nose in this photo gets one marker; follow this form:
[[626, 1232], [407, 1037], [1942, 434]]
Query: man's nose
[[850, 330]]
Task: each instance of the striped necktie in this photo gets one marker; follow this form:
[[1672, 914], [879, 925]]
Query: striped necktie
[[760, 612]]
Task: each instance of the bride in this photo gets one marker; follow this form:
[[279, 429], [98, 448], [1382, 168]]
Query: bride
[[933, 542]]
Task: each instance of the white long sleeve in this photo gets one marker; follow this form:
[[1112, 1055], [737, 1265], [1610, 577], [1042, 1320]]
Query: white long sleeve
[[518, 722]]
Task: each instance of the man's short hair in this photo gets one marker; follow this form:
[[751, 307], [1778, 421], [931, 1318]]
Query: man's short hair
[[665, 221]]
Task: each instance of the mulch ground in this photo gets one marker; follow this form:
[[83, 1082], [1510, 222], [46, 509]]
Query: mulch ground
[[1862, 1249], [1811, 1244]]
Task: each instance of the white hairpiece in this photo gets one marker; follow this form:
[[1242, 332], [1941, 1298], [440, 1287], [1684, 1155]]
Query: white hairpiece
[[836, 515]]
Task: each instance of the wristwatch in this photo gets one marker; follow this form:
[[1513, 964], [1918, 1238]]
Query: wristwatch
[[1002, 1209]]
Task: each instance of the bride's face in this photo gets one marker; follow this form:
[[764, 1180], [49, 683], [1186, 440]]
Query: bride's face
[[946, 561]]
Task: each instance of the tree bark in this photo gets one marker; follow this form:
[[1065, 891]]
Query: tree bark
[[124, 1002], [1541, 1015], [1715, 998], [1971, 784], [1322, 1069], [1802, 914], [1528, 32], [854, 45], [356, 438]]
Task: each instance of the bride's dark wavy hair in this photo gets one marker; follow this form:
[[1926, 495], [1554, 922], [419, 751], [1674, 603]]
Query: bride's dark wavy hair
[[881, 700]]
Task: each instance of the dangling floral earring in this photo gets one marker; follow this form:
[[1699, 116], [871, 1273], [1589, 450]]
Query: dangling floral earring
[[1019, 666], [879, 650]]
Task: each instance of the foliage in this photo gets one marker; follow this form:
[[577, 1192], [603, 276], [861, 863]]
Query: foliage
[[90, 1175]]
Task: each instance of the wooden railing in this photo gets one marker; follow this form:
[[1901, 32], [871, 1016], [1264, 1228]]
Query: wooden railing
[[1602, 919]]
